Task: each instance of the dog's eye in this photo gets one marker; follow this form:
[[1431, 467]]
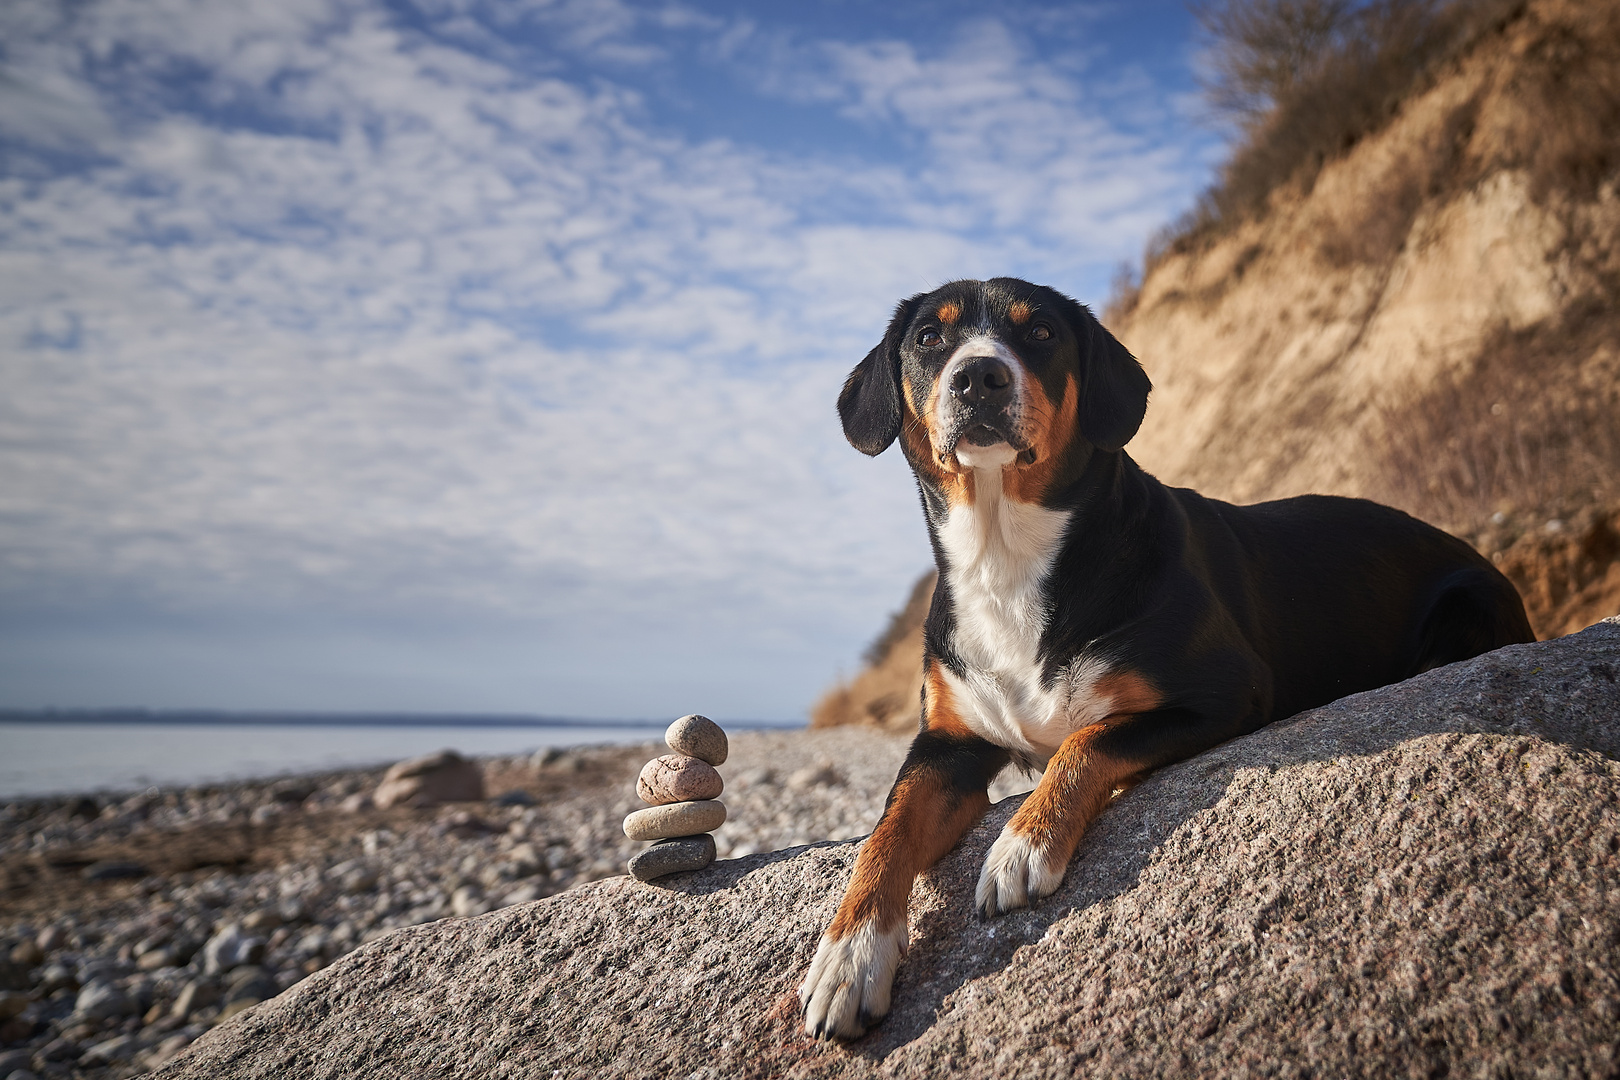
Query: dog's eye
[[928, 338], [1040, 332]]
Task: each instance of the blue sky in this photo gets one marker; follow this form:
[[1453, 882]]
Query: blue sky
[[468, 356]]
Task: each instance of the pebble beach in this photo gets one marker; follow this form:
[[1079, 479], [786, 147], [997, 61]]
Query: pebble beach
[[131, 924]]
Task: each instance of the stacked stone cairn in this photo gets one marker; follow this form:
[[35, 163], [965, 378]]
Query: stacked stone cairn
[[684, 790]]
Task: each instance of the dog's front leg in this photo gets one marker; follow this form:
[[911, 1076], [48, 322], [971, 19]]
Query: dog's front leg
[[1028, 859], [938, 795]]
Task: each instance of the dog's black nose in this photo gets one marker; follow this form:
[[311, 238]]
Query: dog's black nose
[[982, 380]]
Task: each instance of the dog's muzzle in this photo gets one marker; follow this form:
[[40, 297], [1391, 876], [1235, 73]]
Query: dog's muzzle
[[982, 398]]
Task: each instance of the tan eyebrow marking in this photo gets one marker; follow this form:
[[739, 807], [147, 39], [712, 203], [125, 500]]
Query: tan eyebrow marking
[[1020, 312], [949, 312]]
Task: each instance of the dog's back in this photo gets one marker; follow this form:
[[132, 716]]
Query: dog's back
[[1355, 595]]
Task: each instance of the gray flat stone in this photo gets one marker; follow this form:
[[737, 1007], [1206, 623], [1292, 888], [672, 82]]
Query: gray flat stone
[[675, 819], [672, 857]]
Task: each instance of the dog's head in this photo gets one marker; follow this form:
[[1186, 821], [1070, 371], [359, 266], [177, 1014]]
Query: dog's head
[[994, 374]]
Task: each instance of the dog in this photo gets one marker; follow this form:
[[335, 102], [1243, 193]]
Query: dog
[[1091, 621]]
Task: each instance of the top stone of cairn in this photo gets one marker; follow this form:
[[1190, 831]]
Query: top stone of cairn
[[699, 737]]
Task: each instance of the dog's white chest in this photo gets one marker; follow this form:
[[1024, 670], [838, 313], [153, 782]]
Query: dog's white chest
[[999, 554]]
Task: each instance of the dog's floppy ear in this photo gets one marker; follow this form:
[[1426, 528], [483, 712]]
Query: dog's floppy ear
[[869, 404], [1113, 388]]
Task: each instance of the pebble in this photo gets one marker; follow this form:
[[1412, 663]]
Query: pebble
[[822, 774], [166, 1050], [102, 1000], [467, 900], [675, 819], [197, 994], [241, 1005], [677, 778], [57, 977], [230, 948], [429, 780], [114, 870], [672, 857], [263, 919], [153, 959], [523, 894], [28, 954], [118, 1048], [699, 737]]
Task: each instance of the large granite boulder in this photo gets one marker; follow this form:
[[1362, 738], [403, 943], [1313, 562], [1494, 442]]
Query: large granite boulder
[[1421, 880]]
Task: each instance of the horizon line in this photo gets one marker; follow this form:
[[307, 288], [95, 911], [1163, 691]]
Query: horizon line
[[338, 718]]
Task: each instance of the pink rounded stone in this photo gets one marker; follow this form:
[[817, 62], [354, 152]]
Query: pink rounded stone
[[677, 778]]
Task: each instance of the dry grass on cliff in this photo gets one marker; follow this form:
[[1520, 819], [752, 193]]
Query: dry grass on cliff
[[1344, 82], [1531, 431], [1565, 133]]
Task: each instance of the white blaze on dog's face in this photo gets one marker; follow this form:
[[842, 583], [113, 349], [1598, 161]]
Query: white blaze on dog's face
[[979, 417]]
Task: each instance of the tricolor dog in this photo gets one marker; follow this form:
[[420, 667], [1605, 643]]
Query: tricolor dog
[[1090, 620]]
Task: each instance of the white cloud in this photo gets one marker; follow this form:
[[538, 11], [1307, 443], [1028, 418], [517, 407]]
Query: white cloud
[[341, 314]]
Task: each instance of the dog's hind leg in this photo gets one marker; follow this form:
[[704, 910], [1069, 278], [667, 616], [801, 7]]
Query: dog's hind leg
[[1473, 612]]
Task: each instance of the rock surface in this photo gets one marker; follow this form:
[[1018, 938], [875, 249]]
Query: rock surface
[[1413, 880], [434, 778]]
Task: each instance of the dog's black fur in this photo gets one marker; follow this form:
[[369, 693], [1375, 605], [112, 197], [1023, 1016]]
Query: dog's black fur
[[1209, 619], [1240, 614]]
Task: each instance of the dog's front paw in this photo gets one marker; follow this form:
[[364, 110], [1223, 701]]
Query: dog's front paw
[[1016, 871], [847, 988]]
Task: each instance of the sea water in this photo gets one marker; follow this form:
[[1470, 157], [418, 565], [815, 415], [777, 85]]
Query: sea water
[[54, 756]]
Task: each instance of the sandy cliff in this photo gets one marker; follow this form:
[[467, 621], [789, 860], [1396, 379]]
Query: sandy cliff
[[1461, 248]]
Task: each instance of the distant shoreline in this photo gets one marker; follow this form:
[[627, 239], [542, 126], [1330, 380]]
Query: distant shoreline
[[216, 718], [46, 754]]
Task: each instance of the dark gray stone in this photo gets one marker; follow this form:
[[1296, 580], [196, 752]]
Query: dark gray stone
[[114, 870], [673, 856], [1419, 880], [103, 1001]]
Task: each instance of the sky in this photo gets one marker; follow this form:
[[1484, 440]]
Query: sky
[[443, 355]]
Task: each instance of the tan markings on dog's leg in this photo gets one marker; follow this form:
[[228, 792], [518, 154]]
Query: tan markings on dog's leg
[[847, 987], [1048, 434], [848, 984], [1128, 693], [1028, 859], [917, 435], [940, 712]]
